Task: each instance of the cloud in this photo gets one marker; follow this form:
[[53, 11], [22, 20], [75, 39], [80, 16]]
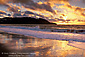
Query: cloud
[[75, 8], [33, 5], [55, 1], [46, 9], [30, 4], [63, 14], [73, 11], [16, 14], [61, 20], [36, 6], [83, 14], [2, 2], [13, 8], [2, 12], [28, 12], [21, 1], [81, 20], [79, 9], [52, 20], [69, 6], [83, 1], [14, 1], [68, 20]]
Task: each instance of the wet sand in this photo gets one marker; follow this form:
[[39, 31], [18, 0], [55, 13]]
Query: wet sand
[[3, 49], [25, 46]]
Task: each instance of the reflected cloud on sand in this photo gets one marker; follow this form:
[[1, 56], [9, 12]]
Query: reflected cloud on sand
[[39, 47]]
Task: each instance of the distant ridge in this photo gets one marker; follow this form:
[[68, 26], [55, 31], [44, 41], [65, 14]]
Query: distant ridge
[[23, 20]]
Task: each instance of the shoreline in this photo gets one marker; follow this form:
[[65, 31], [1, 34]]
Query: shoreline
[[48, 40]]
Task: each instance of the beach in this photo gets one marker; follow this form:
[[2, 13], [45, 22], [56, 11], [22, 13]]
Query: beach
[[15, 45], [42, 28]]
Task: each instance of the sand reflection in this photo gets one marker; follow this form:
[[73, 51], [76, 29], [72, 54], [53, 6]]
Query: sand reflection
[[40, 47]]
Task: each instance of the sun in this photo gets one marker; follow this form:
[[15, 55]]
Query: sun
[[65, 17]]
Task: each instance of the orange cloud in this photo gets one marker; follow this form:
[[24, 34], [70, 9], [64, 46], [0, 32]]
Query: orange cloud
[[63, 14], [13, 8], [57, 1], [75, 10], [3, 1], [83, 14], [2, 12]]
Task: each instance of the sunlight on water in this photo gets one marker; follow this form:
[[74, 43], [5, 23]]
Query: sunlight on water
[[39, 47]]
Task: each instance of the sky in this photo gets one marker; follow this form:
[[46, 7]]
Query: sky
[[61, 12]]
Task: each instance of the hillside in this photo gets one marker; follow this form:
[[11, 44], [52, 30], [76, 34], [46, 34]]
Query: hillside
[[23, 20]]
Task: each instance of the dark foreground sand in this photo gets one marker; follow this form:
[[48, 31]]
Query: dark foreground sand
[[3, 49]]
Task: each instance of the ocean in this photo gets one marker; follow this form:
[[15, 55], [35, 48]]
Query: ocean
[[54, 28]]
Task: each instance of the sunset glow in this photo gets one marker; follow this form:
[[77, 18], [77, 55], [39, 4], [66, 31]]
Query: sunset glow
[[63, 12], [65, 17]]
